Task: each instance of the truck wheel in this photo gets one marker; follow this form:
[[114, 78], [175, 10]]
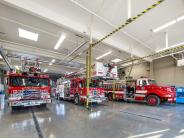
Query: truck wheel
[[76, 100], [44, 105], [14, 108], [110, 97], [153, 100]]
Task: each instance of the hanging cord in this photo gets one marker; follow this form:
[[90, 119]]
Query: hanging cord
[[132, 63]]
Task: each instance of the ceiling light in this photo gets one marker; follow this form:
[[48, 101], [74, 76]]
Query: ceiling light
[[53, 60], [164, 26], [45, 70], [180, 18], [168, 24], [129, 63], [61, 39], [28, 35], [126, 64], [104, 55], [16, 67], [175, 45], [50, 64], [116, 60]]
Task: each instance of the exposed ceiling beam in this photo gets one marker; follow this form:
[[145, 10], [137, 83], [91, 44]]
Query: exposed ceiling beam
[[22, 48], [37, 8], [110, 23]]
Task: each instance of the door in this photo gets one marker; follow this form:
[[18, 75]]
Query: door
[[140, 90]]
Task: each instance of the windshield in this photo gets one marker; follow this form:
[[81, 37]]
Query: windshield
[[96, 84], [151, 82], [29, 81]]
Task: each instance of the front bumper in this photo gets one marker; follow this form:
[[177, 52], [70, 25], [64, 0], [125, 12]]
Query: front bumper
[[29, 102], [97, 99], [171, 100]]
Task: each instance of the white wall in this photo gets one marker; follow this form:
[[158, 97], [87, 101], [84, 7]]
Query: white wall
[[163, 70], [167, 73], [138, 70]]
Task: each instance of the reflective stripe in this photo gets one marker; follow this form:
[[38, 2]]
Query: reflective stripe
[[141, 91], [83, 97], [116, 92], [119, 92], [71, 95], [140, 95]]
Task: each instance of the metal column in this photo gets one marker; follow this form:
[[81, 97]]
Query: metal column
[[88, 73]]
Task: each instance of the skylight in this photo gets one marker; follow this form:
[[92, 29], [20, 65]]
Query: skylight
[[28, 35]]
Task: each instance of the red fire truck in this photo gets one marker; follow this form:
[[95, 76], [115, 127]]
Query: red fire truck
[[28, 90], [75, 89], [27, 87], [142, 90]]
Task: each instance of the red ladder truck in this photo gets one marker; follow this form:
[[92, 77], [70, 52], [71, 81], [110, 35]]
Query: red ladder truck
[[75, 88], [28, 88], [140, 90]]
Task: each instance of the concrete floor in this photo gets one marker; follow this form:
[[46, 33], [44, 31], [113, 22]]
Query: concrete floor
[[113, 120]]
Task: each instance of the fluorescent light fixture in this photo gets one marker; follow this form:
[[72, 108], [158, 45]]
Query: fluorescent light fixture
[[178, 44], [50, 64], [129, 63], [129, 8], [61, 39], [175, 45], [104, 55], [126, 64], [53, 61], [164, 26], [168, 24], [180, 18], [45, 70], [116, 60], [28, 35], [16, 67]]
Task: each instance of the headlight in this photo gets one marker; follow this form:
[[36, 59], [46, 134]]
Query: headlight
[[14, 98], [168, 95]]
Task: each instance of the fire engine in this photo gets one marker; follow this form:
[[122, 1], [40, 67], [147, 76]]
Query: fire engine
[[28, 88], [141, 90], [75, 89]]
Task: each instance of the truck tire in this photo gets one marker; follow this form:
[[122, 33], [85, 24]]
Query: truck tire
[[14, 108], [153, 100], [76, 99], [110, 96], [44, 105]]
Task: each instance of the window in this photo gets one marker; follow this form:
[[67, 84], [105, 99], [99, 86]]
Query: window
[[80, 84], [29, 81], [152, 82], [144, 83]]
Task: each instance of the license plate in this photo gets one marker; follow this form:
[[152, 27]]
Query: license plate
[[31, 104]]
